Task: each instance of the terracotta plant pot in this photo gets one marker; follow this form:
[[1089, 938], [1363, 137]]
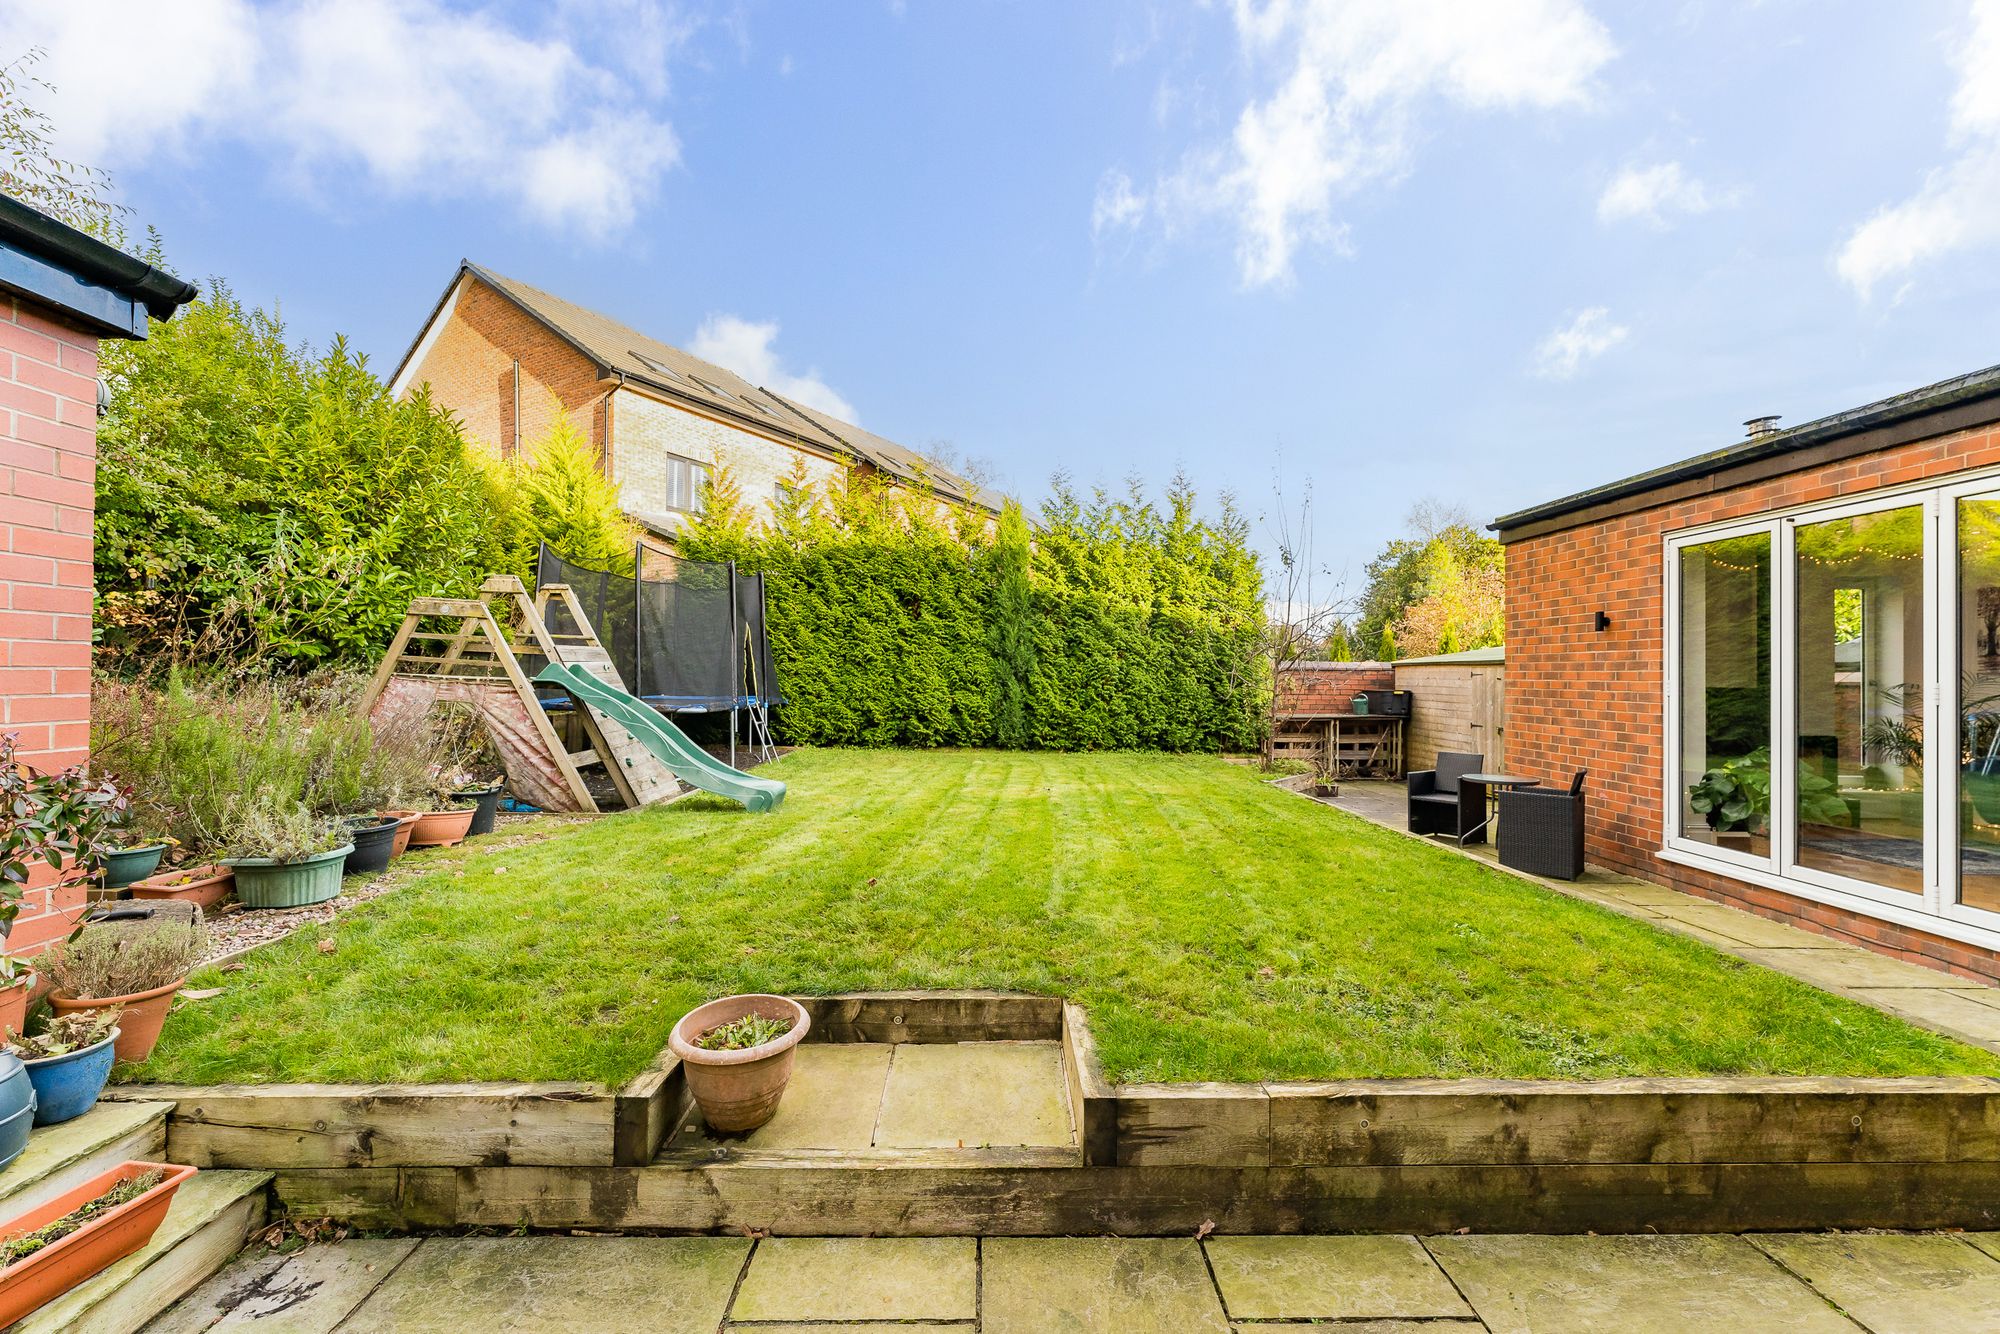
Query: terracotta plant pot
[[442, 829], [409, 821], [50, 1272], [14, 1004], [738, 1090], [204, 886], [139, 1024]]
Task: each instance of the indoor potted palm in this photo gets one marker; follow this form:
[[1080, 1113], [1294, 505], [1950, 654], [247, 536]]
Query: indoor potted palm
[[131, 960], [68, 1062], [737, 1055], [53, 1247], [284, 856]]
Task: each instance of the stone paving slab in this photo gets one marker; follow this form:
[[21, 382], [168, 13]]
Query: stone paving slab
[[1966, 1015], [1362, 1326], [303, 1292], [1872, 1277], [1741, 927], [831, 1103], [861, 1278], [1989, 1242], [1343, 1278], [483, 1285], [1635, 1285], [976, 1095], [1848, 966], [1097, 1285]]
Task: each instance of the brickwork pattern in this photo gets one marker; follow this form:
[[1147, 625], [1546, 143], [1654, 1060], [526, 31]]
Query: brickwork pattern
[[1581, 698], [645, 431], [1330, 687], [470, 369]]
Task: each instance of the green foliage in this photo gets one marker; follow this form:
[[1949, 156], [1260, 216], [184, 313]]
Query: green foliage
[[559, 494], [258, 501], [1339, 643], [1424, 585], [898, 620], [47, 817], [30, 171], [1385, 647]]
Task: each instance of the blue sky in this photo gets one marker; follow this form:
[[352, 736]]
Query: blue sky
[[1484, 252]]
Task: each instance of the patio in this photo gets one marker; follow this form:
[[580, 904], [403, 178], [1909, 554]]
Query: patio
[[1885, 1283]]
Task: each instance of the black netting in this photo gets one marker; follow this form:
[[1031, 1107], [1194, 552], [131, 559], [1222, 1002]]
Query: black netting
[[681, 642]]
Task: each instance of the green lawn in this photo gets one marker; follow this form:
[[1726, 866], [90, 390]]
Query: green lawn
[[1211, 926]]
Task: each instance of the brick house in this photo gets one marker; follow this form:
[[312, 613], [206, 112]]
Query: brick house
[[506, 357], [60, 293], [1808, 619]]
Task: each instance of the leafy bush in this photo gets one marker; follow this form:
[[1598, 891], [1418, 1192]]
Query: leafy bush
[[897, 620], [558, 494], [262, 828], [262, 504]]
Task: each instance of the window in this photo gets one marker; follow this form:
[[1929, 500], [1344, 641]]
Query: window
[[685, 478], [1725, 693], [715, 389], [669, 373]]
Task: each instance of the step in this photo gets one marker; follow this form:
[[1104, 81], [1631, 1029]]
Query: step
[[212, 1215], [62, 1157]]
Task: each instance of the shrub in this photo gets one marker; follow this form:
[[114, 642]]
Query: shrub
[[559, 494], [118, 959], [272, 829]]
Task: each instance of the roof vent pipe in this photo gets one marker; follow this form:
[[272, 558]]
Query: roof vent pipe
[[1757, 426]]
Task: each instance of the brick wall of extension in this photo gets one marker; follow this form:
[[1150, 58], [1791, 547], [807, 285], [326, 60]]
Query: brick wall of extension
[[1578, 698], [48, 474]]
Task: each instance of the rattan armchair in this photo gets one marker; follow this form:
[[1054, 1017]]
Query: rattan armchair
[[1541, 830], [1438, 806]]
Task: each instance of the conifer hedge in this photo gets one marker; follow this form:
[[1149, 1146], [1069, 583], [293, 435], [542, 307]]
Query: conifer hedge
[[897, 620]]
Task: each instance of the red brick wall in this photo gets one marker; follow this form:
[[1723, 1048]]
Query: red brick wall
[[1578, 698], [470, 368], [48, 472], [1330, 687]]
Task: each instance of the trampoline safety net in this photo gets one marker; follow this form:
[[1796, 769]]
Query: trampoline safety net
[[692, 643]]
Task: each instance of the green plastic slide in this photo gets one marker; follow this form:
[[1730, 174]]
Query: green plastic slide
[[665, 742]]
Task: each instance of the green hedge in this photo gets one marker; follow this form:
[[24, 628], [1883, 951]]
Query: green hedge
[[899, 621]]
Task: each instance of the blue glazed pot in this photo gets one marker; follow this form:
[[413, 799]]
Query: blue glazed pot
[[67, 1086], [17, 1107]]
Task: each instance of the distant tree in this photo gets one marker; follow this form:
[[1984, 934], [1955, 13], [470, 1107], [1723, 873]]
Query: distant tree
[[1385, 648], [1339, 646], [557, 493], [1299, 613], [1443, 575]]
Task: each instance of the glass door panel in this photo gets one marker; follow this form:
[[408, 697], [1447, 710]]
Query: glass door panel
[[1978, 665], [1859, 738], [1725, 693]]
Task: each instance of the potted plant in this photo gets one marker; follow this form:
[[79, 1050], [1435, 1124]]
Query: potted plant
[[129, 961], [486, 801], [374, 838], [68, 1062], [447, 823], [58, 825], [53, 1247], [17, 1107], [206, 886], [128, 862], [285, 856], [17, 985], [1735, 797], [737, 1054]]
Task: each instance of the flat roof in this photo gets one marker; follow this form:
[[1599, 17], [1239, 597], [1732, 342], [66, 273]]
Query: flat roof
[[1472, 657], [94, 283], [1969, 393]]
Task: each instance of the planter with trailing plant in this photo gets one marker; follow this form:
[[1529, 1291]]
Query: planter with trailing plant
[[207, 887], [737, 1055], [374, 839], [123, 865], [129, 962], [68, 1062], [286, 857], [17, 1107], [53, 1247]]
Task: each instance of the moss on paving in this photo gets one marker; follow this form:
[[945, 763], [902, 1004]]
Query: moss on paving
[[1212, 927]]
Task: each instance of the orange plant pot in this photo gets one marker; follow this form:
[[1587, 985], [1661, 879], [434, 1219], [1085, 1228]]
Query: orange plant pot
[[14, 1005], [442, 829], [738, 1090], [139, 1024], [408, 822], [50, 1272], [204, 886]]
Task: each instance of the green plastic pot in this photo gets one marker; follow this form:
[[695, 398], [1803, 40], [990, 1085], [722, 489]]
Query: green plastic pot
[[263, 883], [125, 865]]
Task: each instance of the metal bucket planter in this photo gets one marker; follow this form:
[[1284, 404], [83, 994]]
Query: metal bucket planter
[[738, 1090], [67, 1086], [263, 883]]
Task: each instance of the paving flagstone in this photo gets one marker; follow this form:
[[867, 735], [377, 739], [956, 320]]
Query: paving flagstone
[[1634, 1285], [861, 1278], [1362, 1326], [307, 1291], [1097, 1285], [484, 1285], [1293, 1278], [975, 1095], [1897, 1283], [831, 1103], [1955, 1010]]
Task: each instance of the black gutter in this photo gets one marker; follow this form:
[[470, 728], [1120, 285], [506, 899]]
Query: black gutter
[[1968, 388], [34, 231]]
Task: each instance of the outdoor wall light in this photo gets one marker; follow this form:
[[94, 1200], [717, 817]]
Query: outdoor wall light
[[1602, 621]]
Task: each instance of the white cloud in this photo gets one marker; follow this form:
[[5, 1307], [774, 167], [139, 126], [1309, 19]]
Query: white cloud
[[1118, 206], [1652, 193], [1342, 83], [1588, 336], [419, 98], [745, 346], [1958, 205]]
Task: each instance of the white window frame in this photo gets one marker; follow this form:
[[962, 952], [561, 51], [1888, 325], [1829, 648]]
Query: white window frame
[[1936, 910], [698, 473]]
